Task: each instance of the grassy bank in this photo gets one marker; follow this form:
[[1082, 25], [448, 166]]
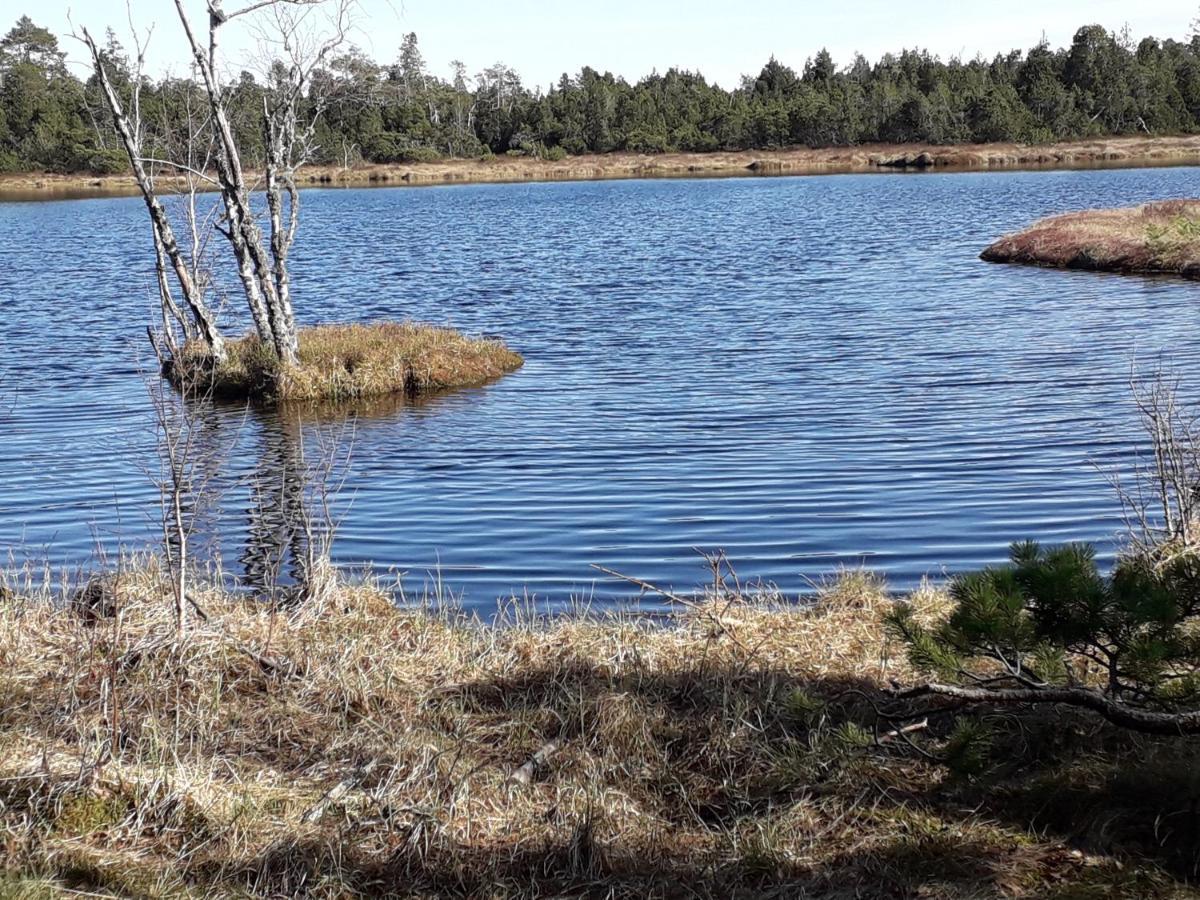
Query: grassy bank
[[357, 750], [347, 362], [797, 161], [1158, 238]]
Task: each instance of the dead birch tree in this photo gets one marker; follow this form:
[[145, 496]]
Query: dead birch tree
[[1162, 499], [128, 123], [303, 33]]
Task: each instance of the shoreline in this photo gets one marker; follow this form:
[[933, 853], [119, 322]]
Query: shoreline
[[1125, 152]]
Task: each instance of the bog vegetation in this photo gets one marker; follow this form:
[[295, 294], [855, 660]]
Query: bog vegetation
[[388, 111], [346, 362], [346, 748], [1156, 238]]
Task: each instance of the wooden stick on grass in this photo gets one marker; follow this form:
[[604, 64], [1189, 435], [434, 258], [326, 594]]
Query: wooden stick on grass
[[524, 775]]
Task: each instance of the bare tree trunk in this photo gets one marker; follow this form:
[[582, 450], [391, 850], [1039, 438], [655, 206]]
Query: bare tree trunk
[[164, 235], [282, 237], [290, 144], [172, 316], [237, 239], [1133, 718], [279, 133], [254, 265], [262, 263]]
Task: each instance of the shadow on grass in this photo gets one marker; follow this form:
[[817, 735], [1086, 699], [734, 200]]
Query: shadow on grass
[[1097, 789], [730, 756], [752, 793]]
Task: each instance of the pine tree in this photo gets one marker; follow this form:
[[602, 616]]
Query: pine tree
[[1050, 628], [412, 66]]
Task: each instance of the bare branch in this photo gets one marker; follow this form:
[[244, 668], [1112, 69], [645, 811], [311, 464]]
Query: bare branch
[[163, 232], [181, 167], [215, 6], [1133, 718]]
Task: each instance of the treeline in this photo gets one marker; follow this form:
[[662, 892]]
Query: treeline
[[1103, 84]]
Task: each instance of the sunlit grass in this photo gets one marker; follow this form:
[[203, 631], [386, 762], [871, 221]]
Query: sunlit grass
[[347, 362], [350, 748]]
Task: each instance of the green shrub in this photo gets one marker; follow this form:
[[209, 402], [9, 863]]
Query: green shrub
[[1050, 627], [419, 155], [643, 141], [101, 162]]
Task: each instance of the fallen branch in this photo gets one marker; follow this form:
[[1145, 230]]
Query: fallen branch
[[286, 669], [902, 732], [715, 619], [647, 586], [524, 775], [337, 792], [1142, 720]]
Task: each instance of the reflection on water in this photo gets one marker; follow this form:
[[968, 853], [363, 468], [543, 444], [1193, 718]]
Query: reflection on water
[[302, 461], [303, 455], [281, 532], [803, 372]]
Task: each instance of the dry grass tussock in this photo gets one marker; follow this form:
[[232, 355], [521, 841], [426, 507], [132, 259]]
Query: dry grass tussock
[[349, 362], [353, 749], [1157, 238]]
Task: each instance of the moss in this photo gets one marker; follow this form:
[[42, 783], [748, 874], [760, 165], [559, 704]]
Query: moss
[[348, 362], [86, 813]]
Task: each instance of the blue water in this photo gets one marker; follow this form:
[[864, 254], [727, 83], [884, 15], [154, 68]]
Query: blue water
[[803, 372]]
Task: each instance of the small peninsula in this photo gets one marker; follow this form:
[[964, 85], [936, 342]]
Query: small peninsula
[[1161, 238]]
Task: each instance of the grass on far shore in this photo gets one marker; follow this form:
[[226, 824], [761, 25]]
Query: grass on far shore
[[351, 749], [1157, 238], [1125, 151], [349, 362]]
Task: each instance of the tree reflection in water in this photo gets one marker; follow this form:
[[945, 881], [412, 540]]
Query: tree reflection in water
[[297, 492], [302, 463], [268, 485]]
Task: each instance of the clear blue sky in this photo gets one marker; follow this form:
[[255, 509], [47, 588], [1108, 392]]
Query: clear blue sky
[[542, 39]]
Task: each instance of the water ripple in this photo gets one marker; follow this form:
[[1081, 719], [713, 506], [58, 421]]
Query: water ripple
[[805, 372]]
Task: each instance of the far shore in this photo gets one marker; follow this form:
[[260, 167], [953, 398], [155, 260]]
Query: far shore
[[1129, 152]]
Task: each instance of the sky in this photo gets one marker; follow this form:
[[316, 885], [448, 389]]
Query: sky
[[632, 38]]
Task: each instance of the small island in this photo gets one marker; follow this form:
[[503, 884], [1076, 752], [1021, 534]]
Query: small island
[[1161, 238], [346, 362]]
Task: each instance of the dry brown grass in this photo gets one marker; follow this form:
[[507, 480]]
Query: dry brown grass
[[1158, 238], [350, 362], [359, 750], [1116, 151]]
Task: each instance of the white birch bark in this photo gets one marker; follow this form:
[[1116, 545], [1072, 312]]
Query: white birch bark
[[164, 236]]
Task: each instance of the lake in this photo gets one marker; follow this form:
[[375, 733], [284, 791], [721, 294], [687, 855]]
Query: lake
[[803, 372]]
